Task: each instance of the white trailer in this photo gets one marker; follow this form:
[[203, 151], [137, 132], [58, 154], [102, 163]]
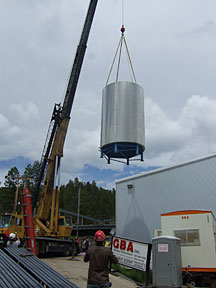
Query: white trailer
[[197, 231]]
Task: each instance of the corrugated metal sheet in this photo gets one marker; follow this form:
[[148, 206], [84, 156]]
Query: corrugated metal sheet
[[47, 276], [13, 275], [190, 185]]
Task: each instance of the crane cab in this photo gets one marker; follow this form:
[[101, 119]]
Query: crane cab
[[65, 226], [12, 223]]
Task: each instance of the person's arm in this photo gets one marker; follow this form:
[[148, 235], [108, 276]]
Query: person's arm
[[113, 258]]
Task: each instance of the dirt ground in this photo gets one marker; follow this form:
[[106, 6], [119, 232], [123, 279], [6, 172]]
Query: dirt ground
[[77, 271]]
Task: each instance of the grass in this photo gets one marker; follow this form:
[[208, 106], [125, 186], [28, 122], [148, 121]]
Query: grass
[[137, 276]]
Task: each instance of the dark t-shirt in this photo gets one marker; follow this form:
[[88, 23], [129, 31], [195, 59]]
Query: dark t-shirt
[[99, 257], [86, 245]]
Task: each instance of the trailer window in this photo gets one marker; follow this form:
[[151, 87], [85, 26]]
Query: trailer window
[[181, 235], [188, 237]]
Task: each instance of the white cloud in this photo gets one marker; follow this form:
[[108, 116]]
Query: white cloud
[[190, 136], [110, 185], [25, 112], [20, 135], [168, 141], [9, 135], [38, 44], [4, 124]]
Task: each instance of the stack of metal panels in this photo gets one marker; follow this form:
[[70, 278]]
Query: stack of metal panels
[[47, 276], [14, 276]]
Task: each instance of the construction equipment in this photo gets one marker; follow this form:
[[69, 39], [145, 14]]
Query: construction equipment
[[53, 231], [50, 227], [10, 223]]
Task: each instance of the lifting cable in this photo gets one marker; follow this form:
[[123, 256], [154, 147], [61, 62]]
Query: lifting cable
[[119, 49]]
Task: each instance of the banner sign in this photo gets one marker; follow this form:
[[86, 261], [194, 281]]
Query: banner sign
[[130, 253]]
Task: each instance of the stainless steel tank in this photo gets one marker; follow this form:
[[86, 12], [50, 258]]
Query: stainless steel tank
[[122, 120]]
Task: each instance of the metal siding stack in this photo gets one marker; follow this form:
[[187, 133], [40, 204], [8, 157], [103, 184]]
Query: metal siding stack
[[14, 276], [190, 185], [47, 276]]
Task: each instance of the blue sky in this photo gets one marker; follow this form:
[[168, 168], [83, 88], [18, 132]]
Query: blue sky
[[106, 177], [19, 162], [103, 177]]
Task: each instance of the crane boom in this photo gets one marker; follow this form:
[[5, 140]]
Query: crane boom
[[72, 84], [61, 122]]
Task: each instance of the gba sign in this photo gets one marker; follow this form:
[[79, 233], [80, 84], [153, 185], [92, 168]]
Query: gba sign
[[130, 253]]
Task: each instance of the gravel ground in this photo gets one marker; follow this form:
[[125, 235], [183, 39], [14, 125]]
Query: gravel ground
[[77, 271]]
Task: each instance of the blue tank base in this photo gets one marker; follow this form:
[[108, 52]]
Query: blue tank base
[[122, 150], [121, 161]]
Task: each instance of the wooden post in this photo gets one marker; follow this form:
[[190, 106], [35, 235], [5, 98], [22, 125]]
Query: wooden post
[[16, 196]]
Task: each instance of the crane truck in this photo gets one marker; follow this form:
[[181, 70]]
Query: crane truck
[[53, 231]]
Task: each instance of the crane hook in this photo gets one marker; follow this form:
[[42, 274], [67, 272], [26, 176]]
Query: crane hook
[[122, 29]]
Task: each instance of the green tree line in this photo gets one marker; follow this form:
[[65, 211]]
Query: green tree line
[[95, 201]]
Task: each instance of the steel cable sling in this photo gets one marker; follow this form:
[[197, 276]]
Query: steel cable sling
[[119, 49]]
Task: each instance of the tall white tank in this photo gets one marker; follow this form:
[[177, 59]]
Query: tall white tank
[[122, 121]]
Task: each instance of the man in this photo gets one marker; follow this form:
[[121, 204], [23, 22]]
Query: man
[[13, 240], [85, 244], [99, 257]]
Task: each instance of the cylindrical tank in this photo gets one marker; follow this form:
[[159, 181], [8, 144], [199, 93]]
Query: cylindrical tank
[[122, 121]]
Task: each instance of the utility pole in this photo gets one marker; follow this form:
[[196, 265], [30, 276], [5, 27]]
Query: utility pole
[[78, 212]]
